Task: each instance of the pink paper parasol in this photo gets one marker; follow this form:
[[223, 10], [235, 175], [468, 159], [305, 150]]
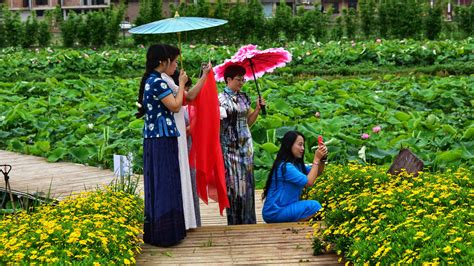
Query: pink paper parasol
[[255, 62]]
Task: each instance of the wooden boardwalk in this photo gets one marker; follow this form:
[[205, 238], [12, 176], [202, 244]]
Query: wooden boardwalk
[[213, 243]]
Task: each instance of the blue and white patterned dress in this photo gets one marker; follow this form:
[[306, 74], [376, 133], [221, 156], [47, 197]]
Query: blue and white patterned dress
[[237, 148], [164, 220]]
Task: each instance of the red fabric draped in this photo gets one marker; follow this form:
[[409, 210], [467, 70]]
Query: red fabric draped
[[206, 153]]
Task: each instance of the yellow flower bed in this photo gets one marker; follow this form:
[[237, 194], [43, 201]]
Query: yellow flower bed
[[373, 217], [96, 227]]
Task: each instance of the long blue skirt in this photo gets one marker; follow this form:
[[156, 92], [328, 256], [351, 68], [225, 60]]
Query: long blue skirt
[[164, 219]]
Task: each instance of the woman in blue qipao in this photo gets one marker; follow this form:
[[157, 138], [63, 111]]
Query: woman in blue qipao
[[164, 220], [286, 181]]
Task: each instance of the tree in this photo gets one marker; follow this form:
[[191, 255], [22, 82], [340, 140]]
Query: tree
[[114, 16], [384, 9], [367, 17], [464, 18], [30, 37], [13, 28], [236, 29], [155, 10], [96, 22], [281, 22], [221, 11], [338, 30], [350, 22], [433, 21], [44, 33], [83, 32], [3, 10], [254, 20]]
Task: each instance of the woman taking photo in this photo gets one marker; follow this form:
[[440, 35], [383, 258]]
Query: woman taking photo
[[286, 181], [164, 220]]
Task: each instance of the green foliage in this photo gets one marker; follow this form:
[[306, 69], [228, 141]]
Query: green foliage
[[44, 34], [114, 16], [254, 20], [384, 9], [282, 21], [338, 29], [367, 9], [31, 31], [350, 22], [3, 39], [97, 27], [433, 21], [314, 23], [464, 18], [309, 58], [69, 29], [236, 21], [83, 30], [13, 28], [155, 10]]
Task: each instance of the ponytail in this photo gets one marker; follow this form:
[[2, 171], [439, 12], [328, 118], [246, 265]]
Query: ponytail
[[140, 109]]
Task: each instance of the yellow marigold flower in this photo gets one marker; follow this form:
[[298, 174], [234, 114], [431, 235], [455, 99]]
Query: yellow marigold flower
[[420, 234], [126, 261], [447, 249]]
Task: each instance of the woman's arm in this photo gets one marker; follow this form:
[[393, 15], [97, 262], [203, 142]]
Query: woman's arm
[[317, 167], [194, 91], [252, 116], [174, 103]]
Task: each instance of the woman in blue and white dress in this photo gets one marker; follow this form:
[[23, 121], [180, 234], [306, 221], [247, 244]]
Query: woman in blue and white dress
[[164, 220]]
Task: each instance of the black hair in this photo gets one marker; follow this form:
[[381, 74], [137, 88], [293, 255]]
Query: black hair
[[285, 155], [233, 71], [156, 54]]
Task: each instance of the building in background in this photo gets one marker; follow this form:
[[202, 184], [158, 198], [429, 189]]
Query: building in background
[[25, 7], [269, 6]]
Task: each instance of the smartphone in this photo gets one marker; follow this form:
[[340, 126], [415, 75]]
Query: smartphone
[[203, 65]]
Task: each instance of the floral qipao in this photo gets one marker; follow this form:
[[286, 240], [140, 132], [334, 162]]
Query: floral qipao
[[159, 121], [237, 148], [164, 220]]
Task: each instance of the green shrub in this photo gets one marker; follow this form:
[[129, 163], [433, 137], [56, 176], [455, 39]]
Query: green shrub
[[31, 31], [69, 29], [44, 34]]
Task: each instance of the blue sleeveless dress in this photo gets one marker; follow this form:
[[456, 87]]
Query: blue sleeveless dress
[[283, 203]]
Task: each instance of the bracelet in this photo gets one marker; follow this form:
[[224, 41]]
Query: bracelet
[[316, 163]]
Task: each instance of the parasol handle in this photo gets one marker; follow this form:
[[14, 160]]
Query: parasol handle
[[264, 110], [181, 65]]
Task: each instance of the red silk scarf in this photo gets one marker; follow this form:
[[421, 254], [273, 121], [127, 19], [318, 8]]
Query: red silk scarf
[[206, 153]]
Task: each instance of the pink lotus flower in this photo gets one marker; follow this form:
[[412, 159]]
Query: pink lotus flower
[[365, 136], [378, 41], [376, 129], [317, 114]]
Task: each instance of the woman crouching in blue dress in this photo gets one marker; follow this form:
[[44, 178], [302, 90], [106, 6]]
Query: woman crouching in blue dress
[[286, 181]]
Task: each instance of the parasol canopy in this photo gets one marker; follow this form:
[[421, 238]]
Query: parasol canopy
[[256, 63]]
